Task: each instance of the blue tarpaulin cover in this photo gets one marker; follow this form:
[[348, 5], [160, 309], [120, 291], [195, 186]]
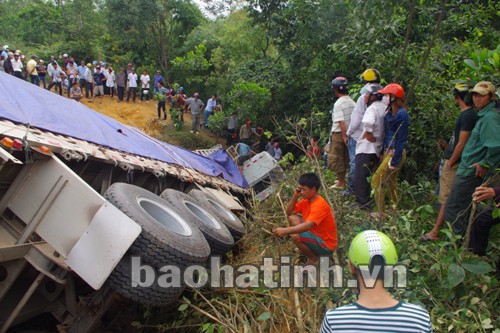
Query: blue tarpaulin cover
[[25, 103], [221, 157]]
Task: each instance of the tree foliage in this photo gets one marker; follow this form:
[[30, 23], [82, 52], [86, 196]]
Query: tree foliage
[[292, 48], [270, 60]]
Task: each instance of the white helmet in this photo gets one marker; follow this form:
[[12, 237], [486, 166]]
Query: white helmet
[[65, 55], [5, 47]]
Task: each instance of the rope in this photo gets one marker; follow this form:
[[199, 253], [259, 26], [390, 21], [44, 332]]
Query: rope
[[27, 151]]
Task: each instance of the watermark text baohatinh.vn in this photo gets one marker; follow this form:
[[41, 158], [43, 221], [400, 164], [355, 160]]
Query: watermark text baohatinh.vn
[[271, 273]]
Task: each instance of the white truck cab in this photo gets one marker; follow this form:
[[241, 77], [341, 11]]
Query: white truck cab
[[262, 173]]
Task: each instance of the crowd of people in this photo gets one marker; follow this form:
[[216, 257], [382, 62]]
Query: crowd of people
[[99, 79], [368, 139]]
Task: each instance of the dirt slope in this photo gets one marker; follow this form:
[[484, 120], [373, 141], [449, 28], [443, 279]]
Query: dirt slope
[[145, 117]]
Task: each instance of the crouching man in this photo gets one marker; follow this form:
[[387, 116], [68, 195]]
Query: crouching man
[[311, 220]]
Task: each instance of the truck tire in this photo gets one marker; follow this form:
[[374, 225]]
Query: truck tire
[[120, 281], [218, 236], [231, 221], [168, 237]]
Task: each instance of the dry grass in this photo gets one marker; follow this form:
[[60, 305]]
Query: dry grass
[[244, 310]]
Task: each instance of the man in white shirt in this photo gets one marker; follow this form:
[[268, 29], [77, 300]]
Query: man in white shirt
[[277, 151], [17, 65], [105, 71], [56, 77], [132, 84], [89, 82], [231, 128], [72, 73], [145, 86], [209, 109], [369, 144], [355, 129], [50, 69], [338, 155]]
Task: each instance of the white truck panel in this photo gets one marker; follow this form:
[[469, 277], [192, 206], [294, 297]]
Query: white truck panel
[[63, 202], [257, 168], [102, 245]]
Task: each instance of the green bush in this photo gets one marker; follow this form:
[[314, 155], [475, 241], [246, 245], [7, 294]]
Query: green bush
[[188, 140]]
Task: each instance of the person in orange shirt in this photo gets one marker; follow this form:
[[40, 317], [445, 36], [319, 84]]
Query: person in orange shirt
[[314, 231]]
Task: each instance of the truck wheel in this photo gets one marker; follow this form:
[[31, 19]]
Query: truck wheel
[[120, 281], [231, 221], [168, 237], [218, 236]]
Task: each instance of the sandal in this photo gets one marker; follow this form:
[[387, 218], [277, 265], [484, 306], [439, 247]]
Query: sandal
[[377, 215], [337, 186], [429, 237]]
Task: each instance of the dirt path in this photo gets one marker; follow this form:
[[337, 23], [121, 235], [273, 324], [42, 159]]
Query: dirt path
[[144, 116], [140, 115]]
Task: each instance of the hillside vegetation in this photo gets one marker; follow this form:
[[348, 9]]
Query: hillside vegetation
[[272, 61]]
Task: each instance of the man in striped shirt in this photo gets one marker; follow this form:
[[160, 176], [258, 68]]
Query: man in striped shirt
[[338, 155], [371, 253]]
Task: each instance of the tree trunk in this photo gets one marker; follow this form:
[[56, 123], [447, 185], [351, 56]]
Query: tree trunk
[[428, 50], [409, 25]]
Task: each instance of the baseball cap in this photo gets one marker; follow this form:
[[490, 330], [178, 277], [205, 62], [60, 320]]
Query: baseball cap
[[249, 123], [484, 88], [16, 54], [89, 65]]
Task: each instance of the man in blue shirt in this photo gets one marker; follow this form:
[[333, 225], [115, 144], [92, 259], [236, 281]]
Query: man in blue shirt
[[81, 74], [396, 125], [157, 78], [244, 153], [99, 83], [161, 96]]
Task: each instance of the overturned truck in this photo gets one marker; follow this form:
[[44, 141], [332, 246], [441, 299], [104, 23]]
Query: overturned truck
[[82, 194]]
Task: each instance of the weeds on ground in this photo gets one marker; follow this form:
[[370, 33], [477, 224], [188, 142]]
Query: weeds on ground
[[460, 291], [186, 139]]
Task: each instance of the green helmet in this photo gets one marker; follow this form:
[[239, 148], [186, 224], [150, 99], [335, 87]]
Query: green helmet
[[370, 243]]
